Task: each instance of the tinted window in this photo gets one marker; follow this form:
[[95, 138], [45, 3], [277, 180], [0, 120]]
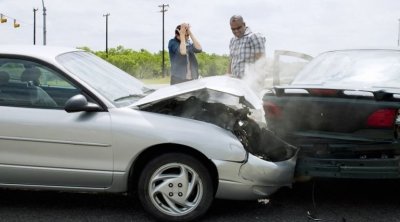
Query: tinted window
[[29, 84]]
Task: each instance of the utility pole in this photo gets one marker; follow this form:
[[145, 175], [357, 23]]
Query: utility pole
[[34, 25], [106, 15], [44, 23], [163, 10]]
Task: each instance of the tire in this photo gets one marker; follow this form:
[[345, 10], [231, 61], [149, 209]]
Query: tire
[[175, 187]]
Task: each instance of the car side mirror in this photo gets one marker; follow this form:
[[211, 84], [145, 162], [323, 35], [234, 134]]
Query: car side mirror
[[79, 103]]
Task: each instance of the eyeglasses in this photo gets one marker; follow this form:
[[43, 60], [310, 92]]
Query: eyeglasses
[[237, 29]]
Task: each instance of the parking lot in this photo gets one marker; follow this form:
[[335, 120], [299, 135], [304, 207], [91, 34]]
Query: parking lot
[[334, 200]]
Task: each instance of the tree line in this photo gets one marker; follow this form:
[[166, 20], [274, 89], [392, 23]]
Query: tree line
[[146, 65]]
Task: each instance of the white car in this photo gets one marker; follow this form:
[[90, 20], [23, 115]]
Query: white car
[[72, 122]]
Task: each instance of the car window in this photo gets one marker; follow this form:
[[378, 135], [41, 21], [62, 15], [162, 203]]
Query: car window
[[117, 86], [29, 84], [349, 68]]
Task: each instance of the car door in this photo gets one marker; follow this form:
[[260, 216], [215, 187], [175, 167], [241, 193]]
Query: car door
[[40, 143]]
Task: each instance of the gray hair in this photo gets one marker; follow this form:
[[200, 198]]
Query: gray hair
[[238, 18]]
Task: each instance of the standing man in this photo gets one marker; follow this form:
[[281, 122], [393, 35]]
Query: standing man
[[184, 66], [245, 47]]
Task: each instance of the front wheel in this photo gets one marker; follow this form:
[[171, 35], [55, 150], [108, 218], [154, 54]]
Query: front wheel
[[175, 187]]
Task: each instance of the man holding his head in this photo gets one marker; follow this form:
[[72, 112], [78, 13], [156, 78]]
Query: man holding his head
[[245, 47], [184, 66]]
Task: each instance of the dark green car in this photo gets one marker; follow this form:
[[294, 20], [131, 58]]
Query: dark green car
[[341, 110]]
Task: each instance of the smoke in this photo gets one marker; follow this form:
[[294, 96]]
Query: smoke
[[258, 75]]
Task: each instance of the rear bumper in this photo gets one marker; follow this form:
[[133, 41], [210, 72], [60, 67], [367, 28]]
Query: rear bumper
[[341, 158], [373, 168]]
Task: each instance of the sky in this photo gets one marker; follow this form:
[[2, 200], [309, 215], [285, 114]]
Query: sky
[[308, 26]]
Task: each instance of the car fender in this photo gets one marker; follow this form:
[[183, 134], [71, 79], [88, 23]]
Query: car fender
[[134, 131]]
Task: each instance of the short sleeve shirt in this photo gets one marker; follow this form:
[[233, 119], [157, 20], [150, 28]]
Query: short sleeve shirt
[[243, 50]]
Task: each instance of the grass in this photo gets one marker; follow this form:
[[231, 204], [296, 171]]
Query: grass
[[165, 80]]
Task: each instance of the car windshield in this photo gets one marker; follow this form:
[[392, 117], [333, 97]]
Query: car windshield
[[353, 68], [114, 84]]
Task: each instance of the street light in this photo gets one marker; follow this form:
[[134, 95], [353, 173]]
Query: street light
[[106, 15], [44, 23]]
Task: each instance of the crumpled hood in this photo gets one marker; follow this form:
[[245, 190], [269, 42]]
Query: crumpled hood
[[216, 89], [225, 102]]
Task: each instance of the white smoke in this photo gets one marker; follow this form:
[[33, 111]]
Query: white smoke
[[258, 76]]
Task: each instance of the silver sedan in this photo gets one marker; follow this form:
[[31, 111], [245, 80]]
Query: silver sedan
[[72, 122]]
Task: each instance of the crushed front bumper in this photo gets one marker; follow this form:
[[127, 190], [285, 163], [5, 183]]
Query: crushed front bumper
[[254, 179]]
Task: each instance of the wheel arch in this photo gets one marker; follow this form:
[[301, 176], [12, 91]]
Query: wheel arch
[[157, 150]]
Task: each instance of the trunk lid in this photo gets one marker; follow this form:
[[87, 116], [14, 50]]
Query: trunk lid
[[332, 112]]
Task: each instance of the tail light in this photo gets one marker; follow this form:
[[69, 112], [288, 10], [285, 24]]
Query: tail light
[[323, 92], [272, 110], [382, 118]]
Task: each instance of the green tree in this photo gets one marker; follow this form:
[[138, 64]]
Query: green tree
[[146, 65]]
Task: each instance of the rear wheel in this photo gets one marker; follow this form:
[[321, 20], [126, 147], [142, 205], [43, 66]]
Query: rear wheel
[[175, 187]]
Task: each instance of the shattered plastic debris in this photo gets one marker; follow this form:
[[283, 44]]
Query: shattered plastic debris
[[263, 201]]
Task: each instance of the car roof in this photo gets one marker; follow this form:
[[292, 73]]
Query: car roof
[[42, 52]]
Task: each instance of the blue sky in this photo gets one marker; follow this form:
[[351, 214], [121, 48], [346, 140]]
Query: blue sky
[[310, 26]]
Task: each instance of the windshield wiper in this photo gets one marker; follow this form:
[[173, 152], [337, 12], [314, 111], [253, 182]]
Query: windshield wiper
[[129, 97]]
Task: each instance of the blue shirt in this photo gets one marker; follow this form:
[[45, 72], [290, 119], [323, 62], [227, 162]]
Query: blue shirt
[[179, 62]]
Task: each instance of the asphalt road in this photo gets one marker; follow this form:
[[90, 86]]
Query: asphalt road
[[334, 200]]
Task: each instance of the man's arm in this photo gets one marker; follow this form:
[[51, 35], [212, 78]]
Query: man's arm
[[230, 67], [259, 55], [230, 57], [259, 46]]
